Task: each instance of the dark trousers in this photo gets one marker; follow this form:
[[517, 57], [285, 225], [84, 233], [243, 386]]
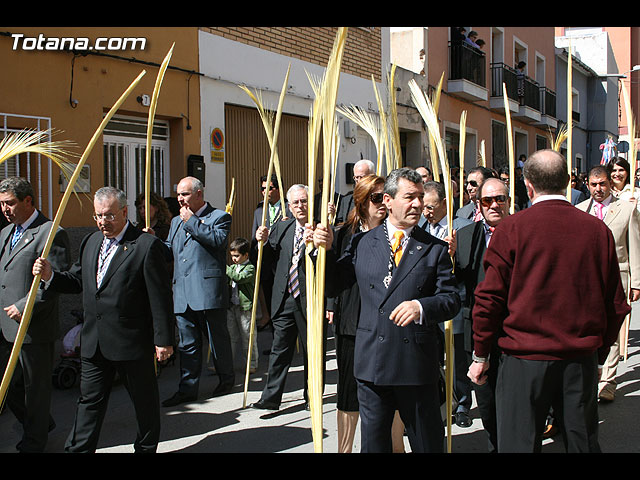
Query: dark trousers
[[96, 381], [288, 325], [419, 408], [29, 393], [461, 382], [525, 391], [191, 325]]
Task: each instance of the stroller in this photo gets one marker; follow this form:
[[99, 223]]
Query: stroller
[[66, 372]]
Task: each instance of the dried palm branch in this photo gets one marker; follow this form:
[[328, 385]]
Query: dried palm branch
[[370, 123], [273, 143], [433, 151], [152, 113], [315, 328], [463, 136], [561, 136], [482, 156], [386, 148], [267, 118], [28, 310], [394, 127], [430, 117], [512, 167], [232, 198]]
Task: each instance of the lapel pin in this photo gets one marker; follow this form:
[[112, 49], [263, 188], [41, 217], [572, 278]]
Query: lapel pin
[[125, 248], [419, 247]]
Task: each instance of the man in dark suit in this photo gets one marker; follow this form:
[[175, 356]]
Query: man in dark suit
[[551, 333], [275, 213], [286, 244], [126, 295], [29, 395], [475, 177], [198, 240], [472, 240], [407, 287]]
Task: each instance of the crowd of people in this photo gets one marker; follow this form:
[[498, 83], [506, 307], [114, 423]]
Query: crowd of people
[[536, 345]]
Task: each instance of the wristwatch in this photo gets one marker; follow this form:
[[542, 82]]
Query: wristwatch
[[477, 359]]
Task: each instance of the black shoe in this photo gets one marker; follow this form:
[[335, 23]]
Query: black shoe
[[177, 399], [262, 405], [462, 419], [222, 389]]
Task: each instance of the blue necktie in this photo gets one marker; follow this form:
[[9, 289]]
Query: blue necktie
[[107, 245], [16, 236]]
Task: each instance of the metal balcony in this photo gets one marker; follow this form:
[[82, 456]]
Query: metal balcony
[[467, 77]]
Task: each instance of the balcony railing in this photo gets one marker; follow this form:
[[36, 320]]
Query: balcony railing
[[468, 63], [548, 102], [522, 89]]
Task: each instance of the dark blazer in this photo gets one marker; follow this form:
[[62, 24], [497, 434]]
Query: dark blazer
[[384, 353], [470, 270], [279, 248], [199, 248], [257, 216], [16, 278], [131, 311], [466, 211]]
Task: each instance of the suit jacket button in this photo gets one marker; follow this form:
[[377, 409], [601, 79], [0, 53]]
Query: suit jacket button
[[371, 285], [405, 340], [381, 338], [381, 311]]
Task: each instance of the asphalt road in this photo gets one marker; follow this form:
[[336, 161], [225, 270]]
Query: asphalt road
[[222, 425]]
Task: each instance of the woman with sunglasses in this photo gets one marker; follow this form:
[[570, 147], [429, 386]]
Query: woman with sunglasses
[[621, 181], [367, 213]]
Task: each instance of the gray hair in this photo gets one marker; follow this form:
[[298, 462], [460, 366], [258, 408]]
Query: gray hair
[[196, 184], [297, 186], [391, 183], [105, 193], [436, 187], [370, 165], [17, 186]]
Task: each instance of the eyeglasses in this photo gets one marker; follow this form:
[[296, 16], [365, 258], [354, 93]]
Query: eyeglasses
[[488, 201], [295, 203], [109, 217], [270, 188], [473, 183], [358, 177], [376, 197]]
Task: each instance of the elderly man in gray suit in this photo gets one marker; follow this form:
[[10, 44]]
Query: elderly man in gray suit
[[21, 242], [198, 240]]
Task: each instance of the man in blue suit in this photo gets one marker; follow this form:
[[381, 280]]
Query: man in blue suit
[[407, 287], [198, 240]]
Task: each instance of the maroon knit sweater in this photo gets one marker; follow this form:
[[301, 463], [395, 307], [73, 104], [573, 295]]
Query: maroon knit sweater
[[552, 286]]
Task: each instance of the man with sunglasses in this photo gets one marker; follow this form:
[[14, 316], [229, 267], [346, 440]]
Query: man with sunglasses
[[475, 177], [126, 295], [551, 333], [472, 242]]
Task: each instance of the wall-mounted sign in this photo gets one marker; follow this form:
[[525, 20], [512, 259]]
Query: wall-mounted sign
[[217, 145]]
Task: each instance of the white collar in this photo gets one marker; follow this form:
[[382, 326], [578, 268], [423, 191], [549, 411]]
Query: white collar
[[543, 198], [392, 229], [120, 236], [200, 210]]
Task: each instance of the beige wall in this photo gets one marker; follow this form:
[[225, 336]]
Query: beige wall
[[38, 83]]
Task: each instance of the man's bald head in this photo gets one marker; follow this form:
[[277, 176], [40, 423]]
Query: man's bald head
[[546, 171]]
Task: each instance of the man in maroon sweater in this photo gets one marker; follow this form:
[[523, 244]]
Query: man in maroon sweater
[[553, 327]]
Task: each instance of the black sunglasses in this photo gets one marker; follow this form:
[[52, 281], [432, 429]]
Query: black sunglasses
[[376, 197], [473, 183], [488, 201]]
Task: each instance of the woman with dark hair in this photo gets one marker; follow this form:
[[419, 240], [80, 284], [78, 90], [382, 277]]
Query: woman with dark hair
[[367, 213], [160, 215], [620, 172]]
